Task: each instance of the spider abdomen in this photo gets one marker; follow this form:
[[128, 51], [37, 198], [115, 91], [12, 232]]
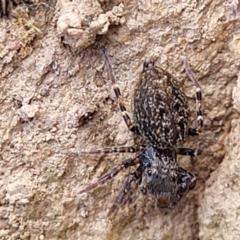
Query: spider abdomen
[[161, 111]]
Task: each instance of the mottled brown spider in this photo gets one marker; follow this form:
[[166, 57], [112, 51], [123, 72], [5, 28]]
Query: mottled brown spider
[[161, 116]]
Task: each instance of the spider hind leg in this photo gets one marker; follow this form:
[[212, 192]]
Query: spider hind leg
[[191, 75], [118, 95]]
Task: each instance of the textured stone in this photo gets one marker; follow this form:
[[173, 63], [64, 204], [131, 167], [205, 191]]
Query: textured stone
[[57, 99]]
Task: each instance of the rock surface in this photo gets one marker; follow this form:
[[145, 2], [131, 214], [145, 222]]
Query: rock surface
[[56, 99]]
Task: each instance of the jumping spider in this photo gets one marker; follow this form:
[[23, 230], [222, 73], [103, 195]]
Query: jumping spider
[[161, 117]]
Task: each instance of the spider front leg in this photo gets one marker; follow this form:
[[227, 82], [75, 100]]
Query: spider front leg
[[133, 176], [191, 75], [118, 95], [189, 152], [125, 164], [186, 182], [107, 150]]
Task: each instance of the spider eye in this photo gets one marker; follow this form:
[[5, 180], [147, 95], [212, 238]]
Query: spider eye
[[149, 172]]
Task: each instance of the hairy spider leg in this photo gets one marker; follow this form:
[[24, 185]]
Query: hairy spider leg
[[186, 181], [189, 151], [118, 95], [125, 164], [132, 177], [191, 75], [107, 150]]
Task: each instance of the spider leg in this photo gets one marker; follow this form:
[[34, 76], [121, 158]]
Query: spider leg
[[124, 149], [133, 176], [193, 132], [125, 164], [118, 95], [189, 151], [186, 182], [191, 75]]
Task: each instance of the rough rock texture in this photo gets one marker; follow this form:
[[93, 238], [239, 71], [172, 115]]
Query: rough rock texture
[[79, 22], [56, 99]]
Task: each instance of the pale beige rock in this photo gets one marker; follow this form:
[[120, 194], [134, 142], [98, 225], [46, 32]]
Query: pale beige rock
[[219, 208], [58, 100], [80, 22]]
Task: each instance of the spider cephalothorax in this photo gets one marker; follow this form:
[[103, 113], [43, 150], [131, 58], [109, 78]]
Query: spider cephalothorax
[[161, 118], [159, 172], [162, 177]]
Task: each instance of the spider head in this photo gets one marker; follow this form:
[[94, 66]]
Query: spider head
[[159, 172]]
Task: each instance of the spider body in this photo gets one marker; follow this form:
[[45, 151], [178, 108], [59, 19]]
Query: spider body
[[161, 115], [161, 118]]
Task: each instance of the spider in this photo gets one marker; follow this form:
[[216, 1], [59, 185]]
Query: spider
[[161, 117]]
